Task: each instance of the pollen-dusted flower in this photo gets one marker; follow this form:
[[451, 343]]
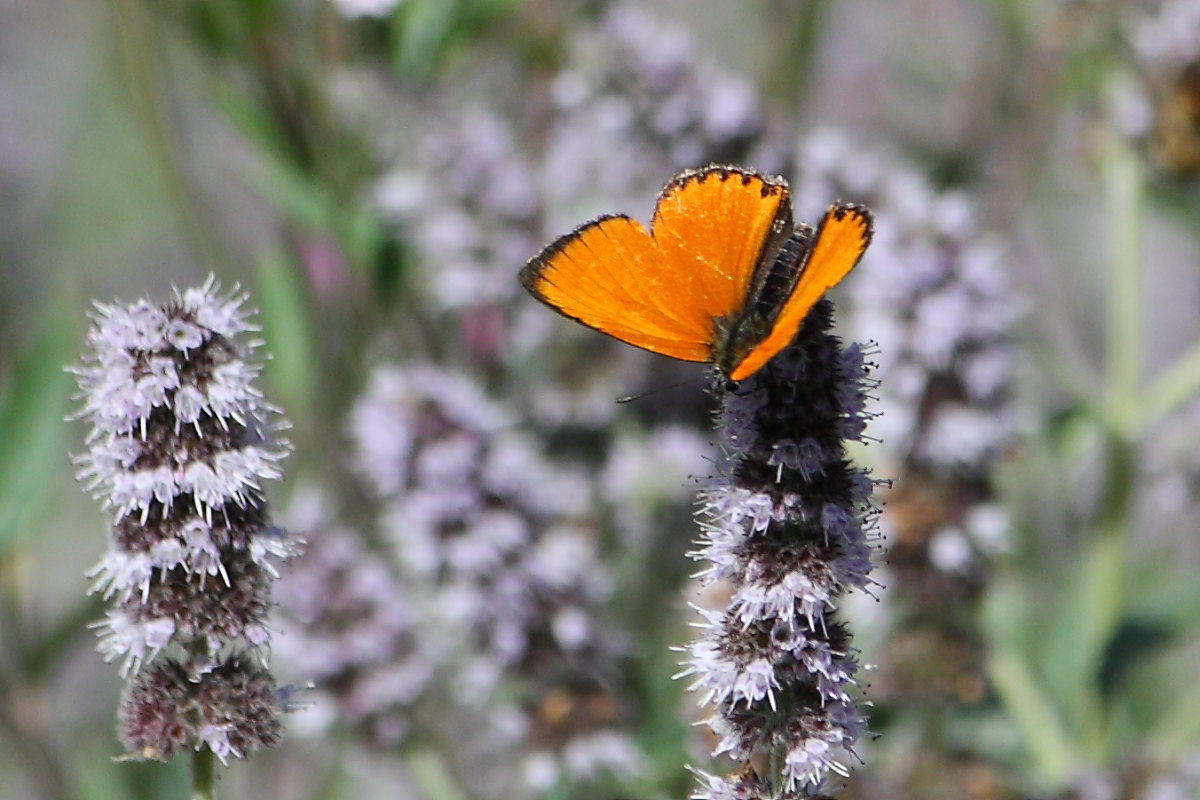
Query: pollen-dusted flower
[[786, 529], [178, 452]]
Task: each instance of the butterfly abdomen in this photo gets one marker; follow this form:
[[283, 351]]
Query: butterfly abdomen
[[739, 335], [779, 281]]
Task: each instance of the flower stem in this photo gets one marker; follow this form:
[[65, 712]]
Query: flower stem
[[1175, 386], [203, 774], [1105, 560], [1123, 187], [137, 46]]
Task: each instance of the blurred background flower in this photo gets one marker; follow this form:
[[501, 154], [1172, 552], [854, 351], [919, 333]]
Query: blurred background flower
[[497, 548]]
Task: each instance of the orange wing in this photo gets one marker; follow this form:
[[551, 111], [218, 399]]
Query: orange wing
[[662, 290], [840, 242]]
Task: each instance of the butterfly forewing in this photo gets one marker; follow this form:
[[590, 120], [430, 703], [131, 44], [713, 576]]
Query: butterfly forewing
[[663, 290], [713, 227], [590, 275]]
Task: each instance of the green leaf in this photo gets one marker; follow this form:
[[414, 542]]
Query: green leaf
[[33, 436], [434, 776], [362, 235], [1174, 386], [1007, 615], [289, 332], [1050, 747], [1134, 642], [427, 30], [41, 655], [252, 117], [1178, 730], [1083, 626], [1169, 598], [425, 27], [299, 196]]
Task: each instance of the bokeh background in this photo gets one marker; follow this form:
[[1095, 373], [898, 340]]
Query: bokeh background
[[375, 172]]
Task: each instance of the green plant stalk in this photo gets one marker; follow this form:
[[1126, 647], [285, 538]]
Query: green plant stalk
[[204, 774], [135, 40], [1046, 738], [1103, 595], [1177, 384], [1125, 195], [1098, 591], [1106, 561], [433, 775], [796, 49]]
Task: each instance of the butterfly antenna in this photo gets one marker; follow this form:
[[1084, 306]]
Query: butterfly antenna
[[629, 398]]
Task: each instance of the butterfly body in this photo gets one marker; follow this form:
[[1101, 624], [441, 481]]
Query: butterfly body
[[739, 336], [721, 276]]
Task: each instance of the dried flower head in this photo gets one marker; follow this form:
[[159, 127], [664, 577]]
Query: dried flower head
[[233, 711], [1161, 107]]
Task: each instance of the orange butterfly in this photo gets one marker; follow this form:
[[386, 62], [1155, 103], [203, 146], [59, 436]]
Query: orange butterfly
[[721, 276]]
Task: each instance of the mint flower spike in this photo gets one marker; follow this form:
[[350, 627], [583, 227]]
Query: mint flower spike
[[181, 443], [787, 529]]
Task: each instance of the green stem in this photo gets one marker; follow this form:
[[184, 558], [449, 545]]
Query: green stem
[[1175, 386], [432, 774], [1106, 566], [796, 50], [1124, 191], [204, 774], [1106, 559], [1048, 741], [136, 43]]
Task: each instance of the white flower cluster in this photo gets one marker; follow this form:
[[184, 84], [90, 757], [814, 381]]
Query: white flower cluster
[[177, 452]]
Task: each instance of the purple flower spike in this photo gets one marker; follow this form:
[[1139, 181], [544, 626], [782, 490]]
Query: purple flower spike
[[787, 527], [178, 452]]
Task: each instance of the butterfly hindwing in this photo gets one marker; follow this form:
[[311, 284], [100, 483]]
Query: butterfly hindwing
[[839, 243]]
